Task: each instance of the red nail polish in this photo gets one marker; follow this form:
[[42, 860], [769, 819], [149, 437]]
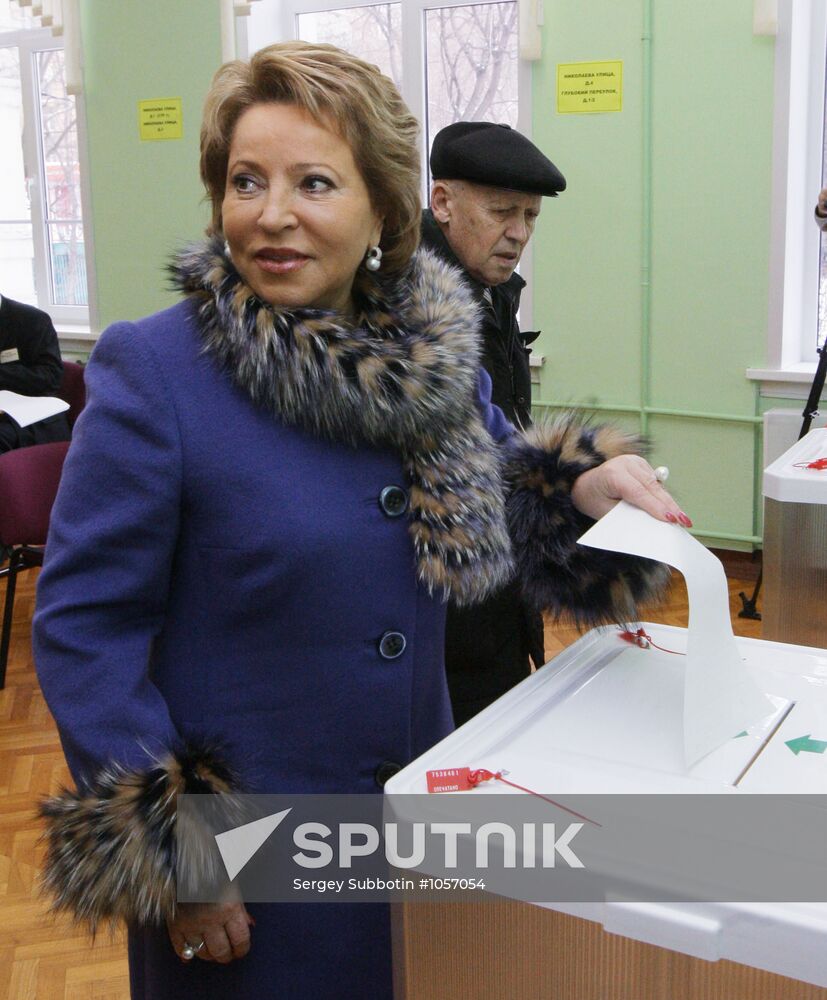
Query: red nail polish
[[685, 520], [670, 517]]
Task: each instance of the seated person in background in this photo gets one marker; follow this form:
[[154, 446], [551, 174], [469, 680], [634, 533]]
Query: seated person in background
[[30, 365]]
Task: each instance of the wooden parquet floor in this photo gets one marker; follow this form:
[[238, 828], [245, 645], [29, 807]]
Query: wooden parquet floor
[[43, 958]]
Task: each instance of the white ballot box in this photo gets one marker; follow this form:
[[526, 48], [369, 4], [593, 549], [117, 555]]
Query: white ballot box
[[795, 543], [605, 719]]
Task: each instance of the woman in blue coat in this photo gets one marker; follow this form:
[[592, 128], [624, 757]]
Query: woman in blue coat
[[272, 490]]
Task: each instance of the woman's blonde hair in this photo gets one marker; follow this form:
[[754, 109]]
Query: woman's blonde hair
[[345, 93]]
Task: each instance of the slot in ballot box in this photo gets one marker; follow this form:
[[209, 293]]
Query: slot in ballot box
[[604, 719]]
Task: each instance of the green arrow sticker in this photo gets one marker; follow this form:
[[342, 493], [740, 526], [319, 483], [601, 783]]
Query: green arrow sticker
[[806, 744]]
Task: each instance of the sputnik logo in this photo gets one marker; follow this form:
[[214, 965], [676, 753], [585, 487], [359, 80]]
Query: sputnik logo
[[237, 846]]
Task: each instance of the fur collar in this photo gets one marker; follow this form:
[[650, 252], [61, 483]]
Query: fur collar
[[404, 376]]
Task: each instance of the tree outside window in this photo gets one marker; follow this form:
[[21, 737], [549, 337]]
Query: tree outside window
[[42, 252], [469, 54]]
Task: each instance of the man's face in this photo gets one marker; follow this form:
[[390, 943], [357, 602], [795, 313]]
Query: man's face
[[486, 227]]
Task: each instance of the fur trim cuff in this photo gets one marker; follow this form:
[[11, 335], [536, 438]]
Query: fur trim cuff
[[556, 574], [113, 853]]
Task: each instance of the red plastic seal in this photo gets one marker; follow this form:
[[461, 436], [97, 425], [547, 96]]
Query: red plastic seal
[[820, 464], [462, 779], [449, 779]]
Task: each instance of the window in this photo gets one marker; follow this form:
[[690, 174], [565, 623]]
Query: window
[[373, 33], [798, 254], [42, 245], [451, 61], [471, 64]]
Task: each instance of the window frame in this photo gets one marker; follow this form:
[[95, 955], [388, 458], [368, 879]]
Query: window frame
[[278, 20], [797, 153], [67, 318]]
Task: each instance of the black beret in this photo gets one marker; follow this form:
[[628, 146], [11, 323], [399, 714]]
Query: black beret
[[496, 155]]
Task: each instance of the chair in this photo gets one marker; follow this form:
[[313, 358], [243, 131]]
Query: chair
[[29, 478]]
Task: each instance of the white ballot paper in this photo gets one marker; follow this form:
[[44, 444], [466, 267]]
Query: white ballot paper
[[720, 697], [25, 410]]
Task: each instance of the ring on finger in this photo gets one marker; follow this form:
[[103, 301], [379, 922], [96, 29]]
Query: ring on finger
[[189, 951], [661, 473]]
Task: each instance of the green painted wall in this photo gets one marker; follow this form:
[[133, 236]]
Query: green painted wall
[[588, 240], [711, 142], [146, 196]]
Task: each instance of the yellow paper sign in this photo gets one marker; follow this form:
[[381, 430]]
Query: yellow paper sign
[[160, 119], [587, 87]]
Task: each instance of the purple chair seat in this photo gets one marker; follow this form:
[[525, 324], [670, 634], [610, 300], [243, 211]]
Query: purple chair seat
[[29, 479]]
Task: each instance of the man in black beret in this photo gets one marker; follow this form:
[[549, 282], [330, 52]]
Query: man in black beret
[[488, 186]]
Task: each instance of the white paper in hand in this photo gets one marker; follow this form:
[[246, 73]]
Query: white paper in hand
[[720, 697]]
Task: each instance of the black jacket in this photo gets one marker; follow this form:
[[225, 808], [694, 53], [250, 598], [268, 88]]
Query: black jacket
[[36, 371], [505, 349], [487, 647]]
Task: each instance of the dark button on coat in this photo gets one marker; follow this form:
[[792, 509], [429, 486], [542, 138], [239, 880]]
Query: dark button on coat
[[385, 771], [394, 501], [392, 645]]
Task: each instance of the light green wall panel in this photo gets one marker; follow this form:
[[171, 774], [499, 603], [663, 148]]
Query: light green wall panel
[[710, 153], [627, 422], [714, 485], [587, 245], [712, 103], [146, 196]]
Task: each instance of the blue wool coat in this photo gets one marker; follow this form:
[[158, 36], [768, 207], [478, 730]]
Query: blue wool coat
[[211, 572], [215, 573]]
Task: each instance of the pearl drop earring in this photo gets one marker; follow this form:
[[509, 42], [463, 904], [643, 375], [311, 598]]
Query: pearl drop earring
[[373, 261]]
